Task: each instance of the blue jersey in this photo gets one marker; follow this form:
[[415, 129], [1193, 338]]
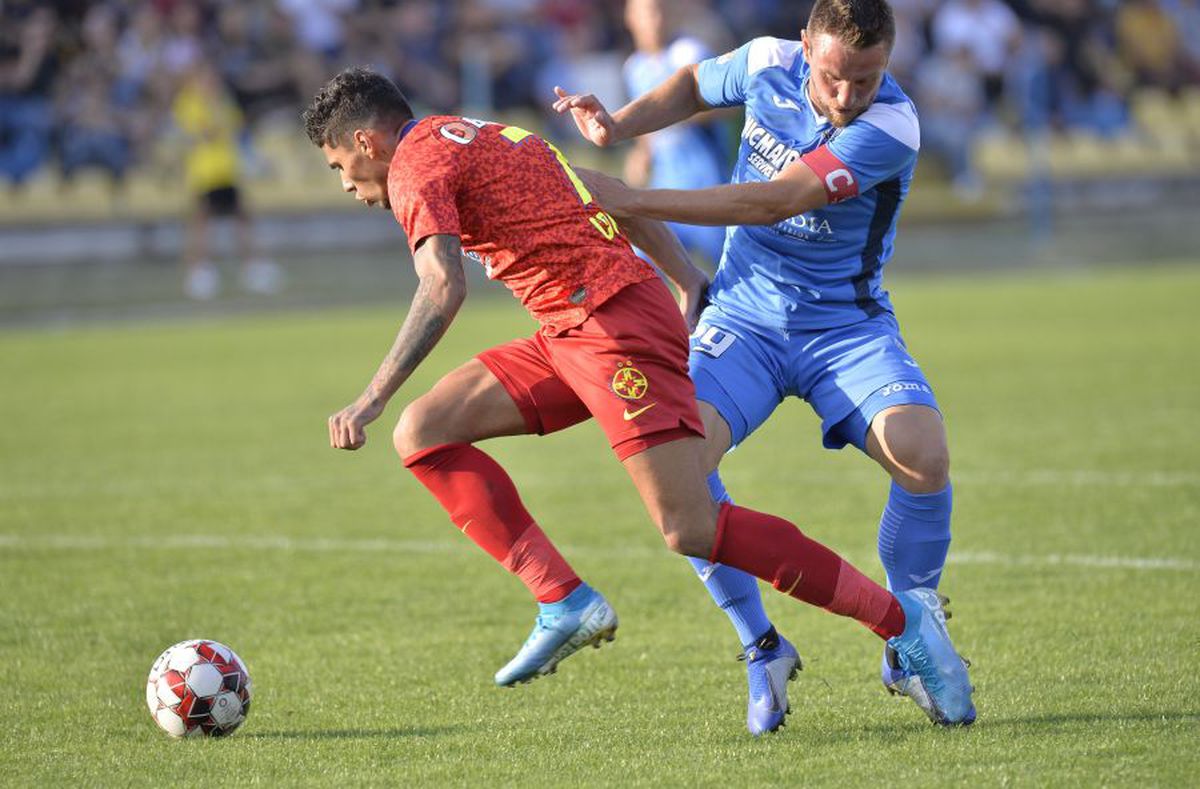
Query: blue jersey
[[824, 268], [686, 155]]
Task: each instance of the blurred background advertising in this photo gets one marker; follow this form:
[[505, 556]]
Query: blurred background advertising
[[152, 161]]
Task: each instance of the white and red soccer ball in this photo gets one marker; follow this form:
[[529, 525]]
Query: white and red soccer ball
[[198, 688]]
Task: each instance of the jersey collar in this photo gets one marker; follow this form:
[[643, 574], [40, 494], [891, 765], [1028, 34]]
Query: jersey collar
[[818, 118], [406, 129]]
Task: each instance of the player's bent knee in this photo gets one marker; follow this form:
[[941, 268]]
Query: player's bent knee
[[924, 469], [403, 437], [683, 535], [414, 430], [932, 466], [687, 544]]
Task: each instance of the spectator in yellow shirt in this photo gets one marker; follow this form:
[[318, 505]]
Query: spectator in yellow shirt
[[210, 121], [1149, 45]]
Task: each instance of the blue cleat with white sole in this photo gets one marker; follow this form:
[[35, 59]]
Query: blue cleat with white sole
[[928, 670], [769, 668], [563, 628]]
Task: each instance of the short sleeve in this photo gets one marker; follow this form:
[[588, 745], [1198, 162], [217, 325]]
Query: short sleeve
[[879, 144], [423, 192], [722, 80]]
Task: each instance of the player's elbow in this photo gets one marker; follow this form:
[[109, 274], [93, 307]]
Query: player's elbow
[[456, 292], [775, 202], [794, 192], [447, 286], [768, 212], [775, 213]]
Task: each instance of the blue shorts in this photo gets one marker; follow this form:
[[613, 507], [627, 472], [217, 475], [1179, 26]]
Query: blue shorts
[[848, 374]]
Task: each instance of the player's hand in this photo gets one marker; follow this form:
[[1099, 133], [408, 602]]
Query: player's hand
[[592, 120], [347, 428], [609, 193], [692, 301]]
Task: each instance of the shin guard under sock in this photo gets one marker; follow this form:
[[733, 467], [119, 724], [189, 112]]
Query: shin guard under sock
[[779, 553], [483, 502]]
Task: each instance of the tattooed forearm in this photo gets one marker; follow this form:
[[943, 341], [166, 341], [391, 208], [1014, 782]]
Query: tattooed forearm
[[424, 326], [439, 294]]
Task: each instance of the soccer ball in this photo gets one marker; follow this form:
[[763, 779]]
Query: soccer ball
[[198, 688]]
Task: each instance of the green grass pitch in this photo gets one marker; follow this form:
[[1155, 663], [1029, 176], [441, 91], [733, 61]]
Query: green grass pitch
[[165, 481]]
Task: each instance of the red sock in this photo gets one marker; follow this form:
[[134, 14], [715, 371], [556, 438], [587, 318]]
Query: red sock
[[779, 553], [483, 502]]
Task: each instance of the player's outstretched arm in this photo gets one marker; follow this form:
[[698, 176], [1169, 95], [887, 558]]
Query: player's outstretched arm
[[661, 244], [440, 292], [795, 190], [675, 100]]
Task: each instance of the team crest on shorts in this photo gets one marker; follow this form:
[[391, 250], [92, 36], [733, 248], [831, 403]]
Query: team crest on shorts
[[629, 382]]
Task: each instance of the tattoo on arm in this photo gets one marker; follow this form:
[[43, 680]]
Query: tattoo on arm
[[427, 323], [422, 328], [439, 294]]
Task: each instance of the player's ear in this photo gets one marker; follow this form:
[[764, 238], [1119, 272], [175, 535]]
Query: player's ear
[[804, 44], [362, 142], [372, 144]]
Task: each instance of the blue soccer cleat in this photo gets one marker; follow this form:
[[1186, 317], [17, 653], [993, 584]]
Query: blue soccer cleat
[[929, 671], [563, 628], [890, 671], [768, 670], [893, 677]]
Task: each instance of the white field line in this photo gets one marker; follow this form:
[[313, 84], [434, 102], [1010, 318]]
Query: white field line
[[65, 542]]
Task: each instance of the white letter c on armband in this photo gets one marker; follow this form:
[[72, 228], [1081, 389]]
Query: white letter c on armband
[[840, 174]]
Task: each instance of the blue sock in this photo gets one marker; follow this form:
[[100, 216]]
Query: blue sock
[[914, 537], [734, 591]]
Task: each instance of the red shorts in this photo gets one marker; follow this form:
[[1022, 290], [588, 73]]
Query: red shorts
[[626, 365]]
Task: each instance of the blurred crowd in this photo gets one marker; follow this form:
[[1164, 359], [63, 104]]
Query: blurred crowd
[[92, 84]]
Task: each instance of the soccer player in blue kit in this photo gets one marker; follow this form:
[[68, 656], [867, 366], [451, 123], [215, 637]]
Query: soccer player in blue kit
[[689, 155], [797, 306]]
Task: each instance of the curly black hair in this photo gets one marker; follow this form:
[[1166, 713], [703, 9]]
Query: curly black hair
[[355, 98], [859, 23]]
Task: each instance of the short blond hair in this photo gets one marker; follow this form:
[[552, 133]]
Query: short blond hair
[[860, 24]]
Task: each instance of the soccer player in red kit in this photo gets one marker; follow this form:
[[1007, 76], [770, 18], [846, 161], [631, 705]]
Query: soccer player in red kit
[[612, 345]]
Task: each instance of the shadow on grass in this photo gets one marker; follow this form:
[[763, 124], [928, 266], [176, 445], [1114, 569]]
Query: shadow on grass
[[1053, 719], [1166, 716], [400, 733]]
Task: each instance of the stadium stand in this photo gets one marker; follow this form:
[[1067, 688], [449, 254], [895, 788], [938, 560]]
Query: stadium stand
[[1069, 92]]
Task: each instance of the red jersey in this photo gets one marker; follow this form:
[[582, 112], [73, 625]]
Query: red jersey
[[518, 208]]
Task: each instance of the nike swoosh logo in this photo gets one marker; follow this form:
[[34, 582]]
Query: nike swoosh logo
[[923, 578], [707, 572], [635, 414], [786, 104]]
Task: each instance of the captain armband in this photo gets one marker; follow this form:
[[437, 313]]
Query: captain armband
[[836, 177]]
